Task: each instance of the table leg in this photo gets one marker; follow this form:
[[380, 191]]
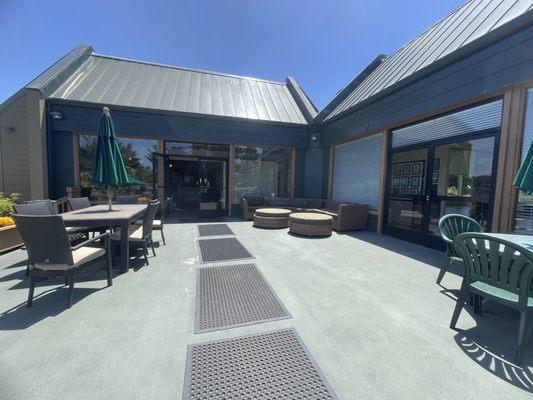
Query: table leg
[[124, 248]]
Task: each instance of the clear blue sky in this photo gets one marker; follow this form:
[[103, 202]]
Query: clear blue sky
[[323, 44]]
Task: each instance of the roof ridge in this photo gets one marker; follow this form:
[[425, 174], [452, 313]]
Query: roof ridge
[[202, 71]]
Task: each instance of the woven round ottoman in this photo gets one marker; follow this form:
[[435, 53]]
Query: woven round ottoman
[[273, 218], [311, 224]]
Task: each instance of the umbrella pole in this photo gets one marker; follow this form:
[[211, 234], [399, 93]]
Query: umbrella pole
[[109, 197]]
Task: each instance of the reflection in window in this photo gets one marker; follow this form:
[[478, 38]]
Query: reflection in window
[[262, 171], [524, 206], [137, 156], [197, 149]]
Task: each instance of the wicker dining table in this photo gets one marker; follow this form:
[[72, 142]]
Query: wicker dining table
[[121, 216]]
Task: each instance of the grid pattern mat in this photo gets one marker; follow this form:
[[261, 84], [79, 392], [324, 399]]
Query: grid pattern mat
[[234, 295], [273, 365], [224, 249], [214, 230]]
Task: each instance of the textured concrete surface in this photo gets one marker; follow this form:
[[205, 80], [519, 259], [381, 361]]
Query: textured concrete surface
[[366, 306]]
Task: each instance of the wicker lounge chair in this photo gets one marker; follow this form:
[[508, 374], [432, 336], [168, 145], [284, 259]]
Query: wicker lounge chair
[[78, 203]]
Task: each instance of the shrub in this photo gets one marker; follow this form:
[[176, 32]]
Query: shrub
[[6, 203]]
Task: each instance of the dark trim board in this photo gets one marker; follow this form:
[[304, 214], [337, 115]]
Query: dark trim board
[[81, 117]]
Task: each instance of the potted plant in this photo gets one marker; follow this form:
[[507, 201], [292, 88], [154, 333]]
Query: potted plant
[[9, 235]]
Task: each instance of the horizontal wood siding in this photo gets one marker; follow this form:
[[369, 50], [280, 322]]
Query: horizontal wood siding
[[15, 171], [314, 172], [61, 163], [299, 175], [171, 126], [504, 63]]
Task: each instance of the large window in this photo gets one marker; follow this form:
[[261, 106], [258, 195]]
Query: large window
[[524, 207], [356, 171], [137, 155], [262, 171]]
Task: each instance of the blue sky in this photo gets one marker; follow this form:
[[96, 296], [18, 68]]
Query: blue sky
[[323, 44]]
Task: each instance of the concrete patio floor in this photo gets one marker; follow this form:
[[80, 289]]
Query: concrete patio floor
[[366, 306]]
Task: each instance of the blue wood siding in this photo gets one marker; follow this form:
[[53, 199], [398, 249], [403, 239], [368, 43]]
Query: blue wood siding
[[504, 63], [186, 128], [299, 173], [61, 161]]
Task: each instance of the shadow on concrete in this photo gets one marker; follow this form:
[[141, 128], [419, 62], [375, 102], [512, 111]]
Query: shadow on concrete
[[46, 304], [492, 345], [423, 254]]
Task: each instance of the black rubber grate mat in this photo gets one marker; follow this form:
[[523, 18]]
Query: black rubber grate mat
[[214, 230], [273, 365], [224, 249], [234, 295]]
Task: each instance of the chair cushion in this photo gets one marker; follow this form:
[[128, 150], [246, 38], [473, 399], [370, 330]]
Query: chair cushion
[[86, 254], [315, 203], [278, 201], [157, 222], [332, 205], [79, 256], [255, 200], [299, 203], [135, 231]]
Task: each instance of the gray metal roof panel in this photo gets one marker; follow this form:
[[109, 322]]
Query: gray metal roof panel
[[116, 81], [467, 23]]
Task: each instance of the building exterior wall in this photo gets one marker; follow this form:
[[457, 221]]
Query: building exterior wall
[[490, 70], [14, 147], [502, 69]]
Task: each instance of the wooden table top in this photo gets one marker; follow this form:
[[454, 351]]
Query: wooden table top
[[100, 214]]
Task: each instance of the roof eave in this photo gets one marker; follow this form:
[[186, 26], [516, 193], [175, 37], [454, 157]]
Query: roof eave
[[507, 29]]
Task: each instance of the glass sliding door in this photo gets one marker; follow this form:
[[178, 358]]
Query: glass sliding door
[[407, 188], [446, 177], [262, 171], [462, 180]]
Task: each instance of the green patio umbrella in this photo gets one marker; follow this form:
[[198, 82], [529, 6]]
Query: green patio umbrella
[[524, 178], [108, 167]]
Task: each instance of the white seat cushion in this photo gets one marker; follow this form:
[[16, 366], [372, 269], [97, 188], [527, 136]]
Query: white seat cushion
[[157, 224], [79, 256], [136, 233]]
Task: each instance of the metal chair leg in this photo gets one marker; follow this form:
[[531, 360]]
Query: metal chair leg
[[163, 236], [70, 276], [32, 289], [524, 331], [152, 245], [108, 263], [145, 251]]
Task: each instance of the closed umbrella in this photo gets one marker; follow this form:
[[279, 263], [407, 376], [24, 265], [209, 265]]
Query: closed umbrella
[[109, 169], [524, 178]]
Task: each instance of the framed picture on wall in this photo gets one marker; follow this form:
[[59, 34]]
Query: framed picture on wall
[[396, 182], [404, 191], [406, 181], [414, 191], [396, 169], [415, 181], [416, 168], [406, 169]]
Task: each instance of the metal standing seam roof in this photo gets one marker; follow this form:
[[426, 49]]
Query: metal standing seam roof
[[122, 82], [467, 23]]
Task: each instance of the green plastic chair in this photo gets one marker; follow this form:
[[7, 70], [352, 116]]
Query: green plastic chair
[[450, 226], [501, 271]]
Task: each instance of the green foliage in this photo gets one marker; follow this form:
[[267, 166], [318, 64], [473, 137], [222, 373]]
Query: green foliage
[[6, 203]]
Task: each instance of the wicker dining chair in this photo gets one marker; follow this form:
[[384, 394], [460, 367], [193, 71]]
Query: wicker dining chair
[[140, 235], [51, 254], [450, 226], [160, 223], [78, 203]]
